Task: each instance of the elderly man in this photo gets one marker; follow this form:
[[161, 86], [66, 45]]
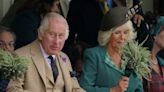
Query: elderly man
[[49, 69]]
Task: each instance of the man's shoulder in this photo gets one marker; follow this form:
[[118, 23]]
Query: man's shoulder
[[64, 57], [62, 53], [26, 49]]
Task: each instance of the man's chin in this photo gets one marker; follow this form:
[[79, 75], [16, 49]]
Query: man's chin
[[54, 52]]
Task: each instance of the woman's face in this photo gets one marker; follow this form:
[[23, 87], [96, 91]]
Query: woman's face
[[55, 7], [7, 41], [159, 39], [119, 36]]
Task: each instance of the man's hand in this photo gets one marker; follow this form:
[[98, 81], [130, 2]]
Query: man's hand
[[137, 19]]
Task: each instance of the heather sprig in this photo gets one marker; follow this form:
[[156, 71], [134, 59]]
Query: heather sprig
[[137, 58], [11, 66]]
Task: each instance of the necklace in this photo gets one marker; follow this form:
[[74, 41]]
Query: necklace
[[154, 62]]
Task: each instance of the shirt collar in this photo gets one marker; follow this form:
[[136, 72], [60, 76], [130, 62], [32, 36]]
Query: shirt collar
[[45, 55]]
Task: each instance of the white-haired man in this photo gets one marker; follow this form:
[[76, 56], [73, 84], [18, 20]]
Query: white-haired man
[[49, 68]]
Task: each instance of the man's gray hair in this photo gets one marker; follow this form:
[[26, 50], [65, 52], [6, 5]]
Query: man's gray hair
[[45, 22]]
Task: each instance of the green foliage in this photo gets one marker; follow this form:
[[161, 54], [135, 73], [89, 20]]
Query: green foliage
[[10, 66], [137, 58]]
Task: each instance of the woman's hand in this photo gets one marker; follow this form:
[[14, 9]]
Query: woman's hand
[[122, 85]]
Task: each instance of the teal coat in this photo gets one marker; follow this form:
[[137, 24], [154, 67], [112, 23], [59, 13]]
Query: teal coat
[[99, 74]]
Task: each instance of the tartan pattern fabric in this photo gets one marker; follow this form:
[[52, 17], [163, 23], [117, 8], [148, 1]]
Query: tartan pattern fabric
[[3, 85], [157, 82]]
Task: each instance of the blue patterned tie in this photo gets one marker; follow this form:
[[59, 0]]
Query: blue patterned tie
[[54, 68]]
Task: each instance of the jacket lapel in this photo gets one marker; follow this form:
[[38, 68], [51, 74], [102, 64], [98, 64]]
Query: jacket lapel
[[49, 74], [40, 63], [108, 61], [65, 73]]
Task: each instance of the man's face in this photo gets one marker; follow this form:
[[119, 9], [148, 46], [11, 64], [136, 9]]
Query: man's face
[[7, 41], [53, 38]]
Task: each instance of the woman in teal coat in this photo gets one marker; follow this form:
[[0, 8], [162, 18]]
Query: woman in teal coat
[[103, 69]]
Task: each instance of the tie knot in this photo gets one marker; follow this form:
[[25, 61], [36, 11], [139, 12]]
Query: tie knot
[[51, 58]]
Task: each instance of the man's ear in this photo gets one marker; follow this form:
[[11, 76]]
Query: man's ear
[[40, 35]]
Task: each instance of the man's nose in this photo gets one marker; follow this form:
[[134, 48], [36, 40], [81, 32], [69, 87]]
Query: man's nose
[[57, 39]]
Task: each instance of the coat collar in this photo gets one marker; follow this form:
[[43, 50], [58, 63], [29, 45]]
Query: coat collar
[[63, 63], [108, 61], [40, 63], [45, 71]]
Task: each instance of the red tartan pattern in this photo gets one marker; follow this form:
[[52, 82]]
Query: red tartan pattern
[[157, 83]]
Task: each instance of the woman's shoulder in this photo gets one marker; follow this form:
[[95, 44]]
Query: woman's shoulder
[[96, 51]]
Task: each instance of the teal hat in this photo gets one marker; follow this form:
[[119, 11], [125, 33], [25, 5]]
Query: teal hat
[[114, 18]]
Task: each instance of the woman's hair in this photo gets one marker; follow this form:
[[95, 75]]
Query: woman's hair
[[5, 29], [45, 22], [104, 36], [38, 6]]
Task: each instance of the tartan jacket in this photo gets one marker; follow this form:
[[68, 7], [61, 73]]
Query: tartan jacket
[[157, 82]]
